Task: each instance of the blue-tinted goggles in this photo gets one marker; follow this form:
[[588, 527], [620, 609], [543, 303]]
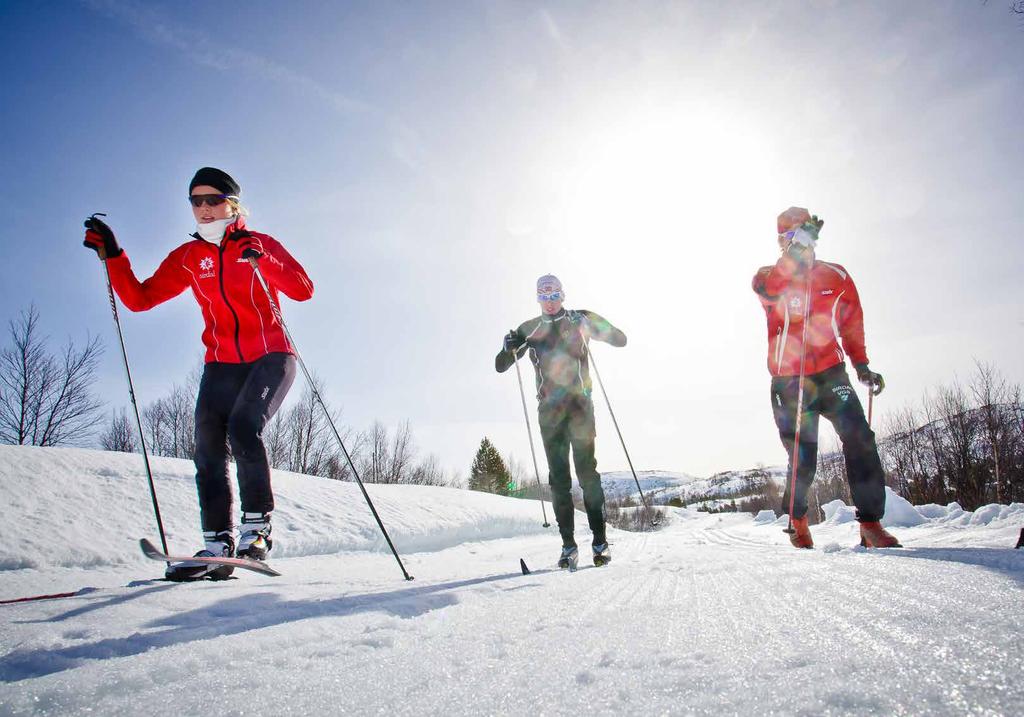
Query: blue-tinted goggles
[[808, 227], [553, 296]]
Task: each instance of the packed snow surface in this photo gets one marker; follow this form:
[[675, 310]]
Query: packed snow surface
[[714, 614]]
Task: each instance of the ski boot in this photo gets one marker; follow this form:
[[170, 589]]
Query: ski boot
[[254, 536], [873, 535], [569, 558], [602, 554], [800, 534], [218, 545]]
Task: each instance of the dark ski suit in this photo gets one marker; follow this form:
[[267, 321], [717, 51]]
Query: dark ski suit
[[557, 348]]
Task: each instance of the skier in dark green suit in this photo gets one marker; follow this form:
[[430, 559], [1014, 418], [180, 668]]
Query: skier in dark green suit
[[557, 343]]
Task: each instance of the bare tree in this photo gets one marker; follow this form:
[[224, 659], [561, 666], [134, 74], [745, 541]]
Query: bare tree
[[119, 434], [376, 458], [170, 422], [993, 395], [302, 441], [46, 398], [959, 430], [400, 456], [429, 472], [275, 438], [391, 458]]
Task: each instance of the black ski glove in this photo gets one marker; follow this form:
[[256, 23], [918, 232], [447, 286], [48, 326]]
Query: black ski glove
[[252, 247], [249, 243], [869, 378], [512, 341], [100, 238]]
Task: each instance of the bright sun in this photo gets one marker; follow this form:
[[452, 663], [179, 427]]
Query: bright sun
[[662, 175]]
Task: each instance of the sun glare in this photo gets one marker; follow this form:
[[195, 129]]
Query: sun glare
[[661, 176]]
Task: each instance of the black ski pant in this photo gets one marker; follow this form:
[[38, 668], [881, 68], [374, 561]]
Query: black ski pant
[[235, 402], [829, 394], [564, 423]]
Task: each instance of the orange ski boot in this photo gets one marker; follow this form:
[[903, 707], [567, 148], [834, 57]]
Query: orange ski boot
[[800, 534], [873, 535]]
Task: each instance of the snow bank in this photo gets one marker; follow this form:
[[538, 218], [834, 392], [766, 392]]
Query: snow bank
[[933, 510], [764, 517], [837, 512], [899, 513], [953, 514], [77, 507]]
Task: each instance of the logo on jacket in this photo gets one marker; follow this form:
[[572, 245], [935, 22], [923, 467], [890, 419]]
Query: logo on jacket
[[206, 268], [828, 292]]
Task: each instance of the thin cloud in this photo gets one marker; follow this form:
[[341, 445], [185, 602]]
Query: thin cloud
[[201, 49], [205, 51]]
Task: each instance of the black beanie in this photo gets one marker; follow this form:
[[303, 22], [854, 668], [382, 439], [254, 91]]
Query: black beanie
[[216, 178]]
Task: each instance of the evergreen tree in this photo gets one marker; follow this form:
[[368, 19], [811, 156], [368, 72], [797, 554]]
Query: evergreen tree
[[489, 472]]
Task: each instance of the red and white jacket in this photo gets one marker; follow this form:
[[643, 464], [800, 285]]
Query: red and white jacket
[[835, 317], [240, 325]]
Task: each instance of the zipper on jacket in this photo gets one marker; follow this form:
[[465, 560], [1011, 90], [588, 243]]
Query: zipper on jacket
[[238, 343]]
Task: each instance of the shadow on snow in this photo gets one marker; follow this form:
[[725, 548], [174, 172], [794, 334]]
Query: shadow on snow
[[999, 560], [232, 617]]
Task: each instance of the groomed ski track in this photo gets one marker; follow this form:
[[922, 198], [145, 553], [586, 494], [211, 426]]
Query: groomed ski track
[[707, 616]]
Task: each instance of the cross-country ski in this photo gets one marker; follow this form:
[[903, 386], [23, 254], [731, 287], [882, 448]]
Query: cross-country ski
[[257, 566]]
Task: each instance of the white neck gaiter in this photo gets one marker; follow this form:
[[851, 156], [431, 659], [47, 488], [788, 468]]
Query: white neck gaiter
[[214, 231]]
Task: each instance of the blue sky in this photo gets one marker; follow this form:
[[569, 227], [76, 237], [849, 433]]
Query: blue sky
[[427, 161]]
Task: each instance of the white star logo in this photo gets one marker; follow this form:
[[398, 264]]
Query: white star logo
[[206, 264]]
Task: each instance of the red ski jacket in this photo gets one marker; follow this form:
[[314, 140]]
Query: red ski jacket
[[240, 325], [836, 316]]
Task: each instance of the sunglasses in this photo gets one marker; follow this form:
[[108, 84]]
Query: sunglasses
[[210, 200], [553, 296], [808, 227]]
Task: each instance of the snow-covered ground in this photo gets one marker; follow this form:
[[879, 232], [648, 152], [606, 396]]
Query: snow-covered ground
[[714, 614]]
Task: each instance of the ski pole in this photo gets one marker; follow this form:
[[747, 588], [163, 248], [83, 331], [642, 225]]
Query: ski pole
[[529, 433], [316, 394], [795, 460], [871, 403], [131, 394], [643, 500]]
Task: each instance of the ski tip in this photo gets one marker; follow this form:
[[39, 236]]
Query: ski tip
[[148, 549], [522, 566]]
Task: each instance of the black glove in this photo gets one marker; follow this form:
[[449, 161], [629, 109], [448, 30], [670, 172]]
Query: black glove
[[512, 341], [100, 238], [249, 243], [869, 378]]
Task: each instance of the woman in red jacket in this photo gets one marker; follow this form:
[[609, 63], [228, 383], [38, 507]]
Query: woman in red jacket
[[250, 365]]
